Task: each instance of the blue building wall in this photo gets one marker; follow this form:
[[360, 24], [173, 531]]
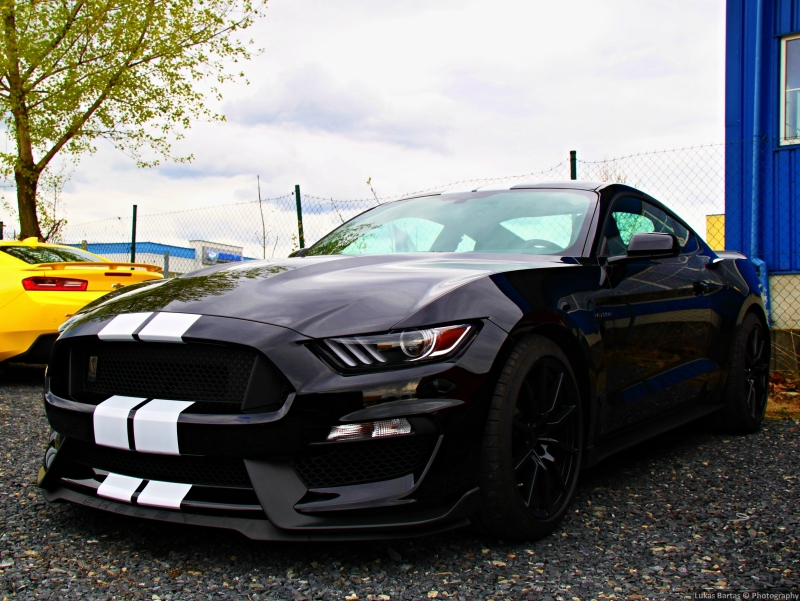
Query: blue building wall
[[760, 172], [121, 248]]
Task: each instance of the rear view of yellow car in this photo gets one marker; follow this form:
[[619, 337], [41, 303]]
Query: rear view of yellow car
[[42, 285]]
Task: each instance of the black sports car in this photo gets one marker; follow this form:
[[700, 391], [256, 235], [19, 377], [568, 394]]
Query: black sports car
[[435, 361]]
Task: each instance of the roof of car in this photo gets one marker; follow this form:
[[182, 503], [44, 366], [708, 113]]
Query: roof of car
[[30, 242], [557, 184], [569, 185]]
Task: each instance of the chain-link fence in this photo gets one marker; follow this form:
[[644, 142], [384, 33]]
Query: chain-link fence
[[699, 183], [691, 181], [266, 228]]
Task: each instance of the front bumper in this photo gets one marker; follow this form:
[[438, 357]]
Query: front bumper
[[311, 494], [271, 475]]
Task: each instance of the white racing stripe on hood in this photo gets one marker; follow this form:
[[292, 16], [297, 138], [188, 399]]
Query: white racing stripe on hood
[[110, 421], [123, 326], [155, 426], [163, 494], [119, 488], [168, 327]]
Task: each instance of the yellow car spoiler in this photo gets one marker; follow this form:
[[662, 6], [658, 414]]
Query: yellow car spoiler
[[98, 265]]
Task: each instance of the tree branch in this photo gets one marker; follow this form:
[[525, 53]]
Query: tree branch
[[53, 44], [80, 121]]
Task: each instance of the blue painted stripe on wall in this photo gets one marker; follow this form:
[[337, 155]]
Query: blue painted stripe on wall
[[180, 252], [119, 248]]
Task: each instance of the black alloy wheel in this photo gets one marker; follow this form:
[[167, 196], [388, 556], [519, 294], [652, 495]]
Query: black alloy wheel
[[756, 373], [544, 441], [532, 446], [746, 390]]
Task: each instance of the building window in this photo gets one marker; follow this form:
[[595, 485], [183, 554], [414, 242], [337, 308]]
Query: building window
[[790, 90]]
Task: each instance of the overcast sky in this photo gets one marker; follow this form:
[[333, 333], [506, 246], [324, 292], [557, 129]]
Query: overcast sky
[[419, 93]]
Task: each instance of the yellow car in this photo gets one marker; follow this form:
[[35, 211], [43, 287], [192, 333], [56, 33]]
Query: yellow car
[[41, 285]]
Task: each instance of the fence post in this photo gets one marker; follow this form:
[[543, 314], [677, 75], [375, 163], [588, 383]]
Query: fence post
[[166, 263], [1, 230], [573, 164], [299, 217], [133, 236]]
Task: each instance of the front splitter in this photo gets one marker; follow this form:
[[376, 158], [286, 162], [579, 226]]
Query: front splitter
[[253, 528]]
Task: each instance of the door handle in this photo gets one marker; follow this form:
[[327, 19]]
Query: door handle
[[704, 287]]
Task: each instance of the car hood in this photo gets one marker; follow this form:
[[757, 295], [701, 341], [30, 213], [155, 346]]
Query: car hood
[[322, 296]]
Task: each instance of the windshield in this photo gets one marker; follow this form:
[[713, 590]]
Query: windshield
[[540, 222], [49, 254]]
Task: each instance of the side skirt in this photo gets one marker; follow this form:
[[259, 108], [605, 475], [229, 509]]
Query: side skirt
[[663, 423]]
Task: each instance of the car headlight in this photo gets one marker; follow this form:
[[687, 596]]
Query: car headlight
[[396, 349]]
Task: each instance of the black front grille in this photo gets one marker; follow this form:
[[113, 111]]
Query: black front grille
[[344, 464], [203, 471], [196, 372]]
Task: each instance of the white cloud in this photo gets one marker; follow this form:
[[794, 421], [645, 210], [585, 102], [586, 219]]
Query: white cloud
[[311, 99]]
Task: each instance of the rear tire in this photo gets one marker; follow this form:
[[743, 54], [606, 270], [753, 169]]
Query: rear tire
[[747, 387], [3, 369], [532, 445]]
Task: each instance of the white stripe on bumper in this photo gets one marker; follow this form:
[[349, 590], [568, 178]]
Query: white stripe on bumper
[[119, 488], [163, 494], [155, 426], [110, 421], [168, 327], [123, 326]]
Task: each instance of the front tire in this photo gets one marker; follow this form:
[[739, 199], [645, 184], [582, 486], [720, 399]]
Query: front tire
[[533, 443], [747, 387]]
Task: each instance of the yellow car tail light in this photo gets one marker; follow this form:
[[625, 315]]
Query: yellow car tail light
[[54, 284]]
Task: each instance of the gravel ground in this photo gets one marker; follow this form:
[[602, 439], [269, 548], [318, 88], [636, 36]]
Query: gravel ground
[[687, 511]]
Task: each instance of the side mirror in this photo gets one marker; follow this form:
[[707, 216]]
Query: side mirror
[[652, 244]]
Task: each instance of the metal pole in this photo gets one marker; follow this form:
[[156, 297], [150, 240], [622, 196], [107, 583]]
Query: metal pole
[[166, 263], [573, 164], [299, 217], [1, 230], [756, 147], [133, 236], [756, 165]]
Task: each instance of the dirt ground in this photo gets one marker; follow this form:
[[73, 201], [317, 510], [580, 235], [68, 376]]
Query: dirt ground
[[784, 397]]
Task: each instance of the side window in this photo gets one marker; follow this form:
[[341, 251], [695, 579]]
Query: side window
[[631, 216]]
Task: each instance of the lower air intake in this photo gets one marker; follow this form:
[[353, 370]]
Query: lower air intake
[[343, 464]]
